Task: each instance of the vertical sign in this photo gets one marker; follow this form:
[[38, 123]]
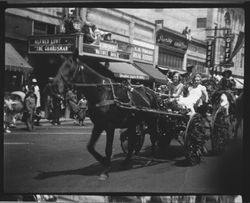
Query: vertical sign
[[210, 54], [228, 40]]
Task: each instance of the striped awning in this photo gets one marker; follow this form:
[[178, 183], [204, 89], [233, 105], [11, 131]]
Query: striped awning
[[126, 70], [14, 61]]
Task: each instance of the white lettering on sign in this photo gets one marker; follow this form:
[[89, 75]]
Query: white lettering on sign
[[147, 57], [107, 46], [113, 54], [143, 53], [147, 51], [55, 41], [52, 48], [136, 55]]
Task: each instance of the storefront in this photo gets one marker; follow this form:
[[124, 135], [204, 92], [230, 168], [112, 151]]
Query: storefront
[[172, 49], [17, 69], [196, 55], [143, 59]]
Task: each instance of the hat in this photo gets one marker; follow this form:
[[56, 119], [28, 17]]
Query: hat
[[226, 72], [34, 80], [189, 66]]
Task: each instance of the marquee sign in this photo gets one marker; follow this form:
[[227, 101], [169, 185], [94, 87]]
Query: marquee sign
[[52, 44], [165, 38], [104, 49]]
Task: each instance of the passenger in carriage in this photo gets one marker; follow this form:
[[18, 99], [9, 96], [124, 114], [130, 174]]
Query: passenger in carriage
[[227, 82], [197, 94], [176, 87]]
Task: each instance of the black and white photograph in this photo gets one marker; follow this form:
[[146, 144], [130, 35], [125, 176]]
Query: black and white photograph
[[124, 100], [125, 199]]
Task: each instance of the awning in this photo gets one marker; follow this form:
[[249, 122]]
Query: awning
[[14, 61], [239, 83], [153, 73], [126, 70]]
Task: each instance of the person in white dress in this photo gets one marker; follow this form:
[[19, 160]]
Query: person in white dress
[[196, 93], [36, 90]]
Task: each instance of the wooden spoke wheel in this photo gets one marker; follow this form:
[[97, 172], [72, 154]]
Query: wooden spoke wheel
[[140, 137], [194, 139]]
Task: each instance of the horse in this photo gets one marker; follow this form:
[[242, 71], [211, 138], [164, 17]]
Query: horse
[[105, 98]]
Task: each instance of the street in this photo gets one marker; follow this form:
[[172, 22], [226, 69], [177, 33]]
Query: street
[[54, 159]]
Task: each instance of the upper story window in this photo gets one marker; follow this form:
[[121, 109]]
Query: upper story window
[[41, 28], [201, 22]]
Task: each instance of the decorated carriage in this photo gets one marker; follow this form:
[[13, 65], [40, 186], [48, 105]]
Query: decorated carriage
[[119, 104], [213, 120]]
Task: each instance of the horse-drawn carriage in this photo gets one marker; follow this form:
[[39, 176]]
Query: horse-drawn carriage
[[211, 121], [113, 104]]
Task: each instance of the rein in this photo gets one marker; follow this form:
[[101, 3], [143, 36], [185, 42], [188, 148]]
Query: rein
[[111, 84]]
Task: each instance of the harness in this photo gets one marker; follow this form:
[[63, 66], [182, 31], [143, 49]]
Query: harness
[[107, 102]]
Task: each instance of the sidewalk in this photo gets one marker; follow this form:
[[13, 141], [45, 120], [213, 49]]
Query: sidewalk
[[62, 120]]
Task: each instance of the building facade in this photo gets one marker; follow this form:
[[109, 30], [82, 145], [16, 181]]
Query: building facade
[[201, 22], [137, 27]]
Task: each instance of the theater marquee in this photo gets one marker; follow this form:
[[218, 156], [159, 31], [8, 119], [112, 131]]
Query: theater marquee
[[52, 44]]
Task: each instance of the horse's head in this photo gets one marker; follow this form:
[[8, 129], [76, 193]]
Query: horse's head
[[65, 73]]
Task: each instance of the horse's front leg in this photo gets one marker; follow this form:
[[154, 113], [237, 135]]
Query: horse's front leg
[[131, 143], [96, 132], [108, 151]]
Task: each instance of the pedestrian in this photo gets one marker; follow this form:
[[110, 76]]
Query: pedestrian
[[35, 88], [7, 112], [82, 104], [13, 84], [30, 102], [71, 102], [56, 101], [47, 92]]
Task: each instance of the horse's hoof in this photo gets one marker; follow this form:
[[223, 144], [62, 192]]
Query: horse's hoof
[[103, 177]]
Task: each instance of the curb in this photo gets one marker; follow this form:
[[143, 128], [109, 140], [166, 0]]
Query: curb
[[63, 120]]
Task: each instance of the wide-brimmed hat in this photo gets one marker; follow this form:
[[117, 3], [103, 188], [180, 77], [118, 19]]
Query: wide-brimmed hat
[[226, 72]]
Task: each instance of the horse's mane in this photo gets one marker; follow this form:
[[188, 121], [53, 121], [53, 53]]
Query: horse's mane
[[93, 71]]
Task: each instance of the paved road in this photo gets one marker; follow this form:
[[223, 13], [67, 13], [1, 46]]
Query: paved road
[[54, 159]]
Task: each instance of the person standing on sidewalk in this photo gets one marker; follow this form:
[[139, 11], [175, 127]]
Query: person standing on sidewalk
[[56, 101], [36, 91]]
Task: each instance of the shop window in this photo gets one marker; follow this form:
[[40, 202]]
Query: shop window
[[41, 28], [170, 60], [201, 22]]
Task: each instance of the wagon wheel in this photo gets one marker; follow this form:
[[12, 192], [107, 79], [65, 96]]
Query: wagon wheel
[[194, 139], [140, 137], [220, 128]]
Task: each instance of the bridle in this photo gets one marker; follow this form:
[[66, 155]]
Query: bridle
[[110, 84]]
